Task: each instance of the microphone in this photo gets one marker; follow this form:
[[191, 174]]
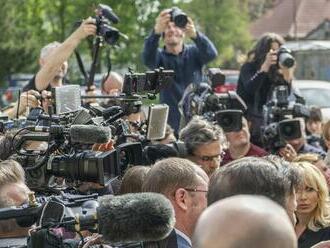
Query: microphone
[[89, 134], [135, 217]]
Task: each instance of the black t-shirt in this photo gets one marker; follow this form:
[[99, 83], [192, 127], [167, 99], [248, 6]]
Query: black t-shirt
[[309, 238], [31, 85]]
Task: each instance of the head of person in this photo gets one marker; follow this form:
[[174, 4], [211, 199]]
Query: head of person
[[204, 143], [173, 35], [44, 57], [13, 192], [318, 161], [133, 179], [266, 224], [184, 184], [314, 122], [112, 85], [269, 176], [239, 138], [264, 44], [313, 197]]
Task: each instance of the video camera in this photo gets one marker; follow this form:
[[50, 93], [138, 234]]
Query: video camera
[[148, 82], [122, 220], [224, 108], [281, 118], [105, 16]]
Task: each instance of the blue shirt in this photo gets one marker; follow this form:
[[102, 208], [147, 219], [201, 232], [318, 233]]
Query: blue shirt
[[187, 67]]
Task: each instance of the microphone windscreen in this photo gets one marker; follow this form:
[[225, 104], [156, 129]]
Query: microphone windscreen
[[135, 217], [89, 134]]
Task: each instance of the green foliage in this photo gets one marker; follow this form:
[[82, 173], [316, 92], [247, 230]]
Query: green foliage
[[28, 25], [225, 22]]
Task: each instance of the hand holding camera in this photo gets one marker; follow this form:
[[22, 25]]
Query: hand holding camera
[[86, 28], [180, 19], [190, 29], [162, 20], [271, 59]]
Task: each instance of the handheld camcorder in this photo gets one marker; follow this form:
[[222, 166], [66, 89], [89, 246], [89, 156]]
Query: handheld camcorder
[[105, 16]]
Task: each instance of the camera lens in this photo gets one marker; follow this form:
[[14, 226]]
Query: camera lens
[[179, 17]]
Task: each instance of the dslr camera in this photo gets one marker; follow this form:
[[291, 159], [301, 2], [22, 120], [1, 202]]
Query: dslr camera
[[178, 17], [285, 58]]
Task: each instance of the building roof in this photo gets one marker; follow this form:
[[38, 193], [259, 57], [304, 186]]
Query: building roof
[[309, 14]]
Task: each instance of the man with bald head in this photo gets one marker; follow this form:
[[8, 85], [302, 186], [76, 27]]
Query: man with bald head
[[244, 221]]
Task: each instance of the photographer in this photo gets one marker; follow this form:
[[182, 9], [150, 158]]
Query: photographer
[[54, 56], [259, 75], [186, 60]]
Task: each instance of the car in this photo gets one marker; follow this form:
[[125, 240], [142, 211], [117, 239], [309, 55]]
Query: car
[[316, 93], [16, 82]]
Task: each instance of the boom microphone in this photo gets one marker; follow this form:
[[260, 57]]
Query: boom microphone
[[135, 217], [89, 134]]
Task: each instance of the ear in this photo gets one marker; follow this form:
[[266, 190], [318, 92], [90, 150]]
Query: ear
[[181, 198]]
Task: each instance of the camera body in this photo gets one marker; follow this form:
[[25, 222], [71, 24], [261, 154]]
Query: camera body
[[178, 17], [285, 58], [282, 119]]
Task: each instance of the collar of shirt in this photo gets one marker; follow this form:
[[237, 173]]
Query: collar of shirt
[[178, 232]]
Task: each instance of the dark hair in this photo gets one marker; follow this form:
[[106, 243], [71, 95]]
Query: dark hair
[[263, 46], [156, 152], [269, 176], [315, 114], [200, 132]]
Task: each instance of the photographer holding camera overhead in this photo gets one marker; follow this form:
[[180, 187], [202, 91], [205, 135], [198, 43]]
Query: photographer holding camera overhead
[[268, 65], [186, 60]]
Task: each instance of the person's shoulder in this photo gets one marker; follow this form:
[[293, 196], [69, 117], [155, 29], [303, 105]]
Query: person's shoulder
[[257, 150]]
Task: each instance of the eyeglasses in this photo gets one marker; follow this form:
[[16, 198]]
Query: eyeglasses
[[196, 190], [211, 158]]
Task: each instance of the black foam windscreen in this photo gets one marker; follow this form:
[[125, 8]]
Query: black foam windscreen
[[135, 217], [89, 134], [157, 120]]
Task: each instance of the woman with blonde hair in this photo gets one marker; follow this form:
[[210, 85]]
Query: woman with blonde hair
[[318, 161], [313, 216]]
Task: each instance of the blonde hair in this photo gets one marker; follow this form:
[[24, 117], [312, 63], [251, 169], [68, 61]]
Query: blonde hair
[[11, 172], [314, 179], [308, 157]]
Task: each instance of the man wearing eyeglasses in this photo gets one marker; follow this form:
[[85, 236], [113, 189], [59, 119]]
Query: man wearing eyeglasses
[[204, 143], [186, 186]]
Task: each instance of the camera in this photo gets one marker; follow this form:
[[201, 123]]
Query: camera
[[106, 16], [224, 108], [179, 17], [285, 58], [275, 135]]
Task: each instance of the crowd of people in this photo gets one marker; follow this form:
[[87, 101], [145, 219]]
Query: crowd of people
[[226, 189]]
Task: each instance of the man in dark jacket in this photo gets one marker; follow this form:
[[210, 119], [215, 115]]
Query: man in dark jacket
[[186, 60]]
